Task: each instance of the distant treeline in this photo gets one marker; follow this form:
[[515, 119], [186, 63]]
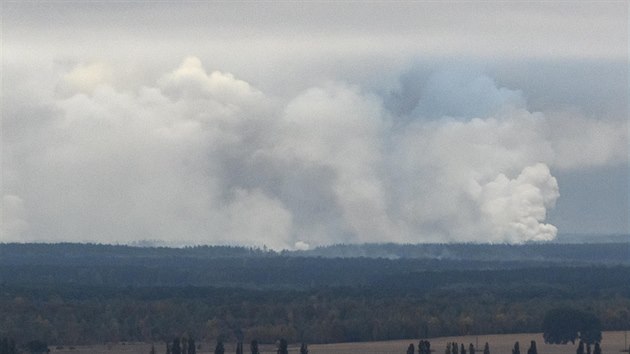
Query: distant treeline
[[609, 252], [406, 275], [73, 294], [70, 253]]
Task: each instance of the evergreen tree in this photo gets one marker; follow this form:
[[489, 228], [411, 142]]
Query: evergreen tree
[[36, 347], [152, 349], [282, 347], [588, 348], [176, 347], [12, 347], [412, 350], [254, 347], [168, 348], [192, 349], [455, 348], [304, 349], [532, 348], [580, 348], [463, 349], [597, 349], [448, 348], [424, 347], [7, 346], [239, 347], [486, 348], [219, 349], [184, 342], [471, 349], [516, 349]]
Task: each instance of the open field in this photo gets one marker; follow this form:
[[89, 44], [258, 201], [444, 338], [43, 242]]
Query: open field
[[613, 342]]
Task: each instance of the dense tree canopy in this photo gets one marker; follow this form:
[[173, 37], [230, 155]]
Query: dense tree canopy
[[563, 325], [115, 293]]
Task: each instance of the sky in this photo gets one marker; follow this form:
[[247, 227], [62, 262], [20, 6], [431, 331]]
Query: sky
[[296, 124]]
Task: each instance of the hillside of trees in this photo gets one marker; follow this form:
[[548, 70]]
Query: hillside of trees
[[77, 294]]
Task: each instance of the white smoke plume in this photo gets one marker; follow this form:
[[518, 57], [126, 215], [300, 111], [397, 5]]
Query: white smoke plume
[[515, 208], [206, 158], [12, 217]]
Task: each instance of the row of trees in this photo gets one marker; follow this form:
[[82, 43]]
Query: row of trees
[[282, 347], [532, 348], [424, 347], [180, 345], [452, 348], [597, 349]]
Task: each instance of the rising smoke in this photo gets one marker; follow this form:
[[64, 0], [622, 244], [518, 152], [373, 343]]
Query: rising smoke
[[206, 158]]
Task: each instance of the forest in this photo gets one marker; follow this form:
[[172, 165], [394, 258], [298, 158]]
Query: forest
[[85, 293]]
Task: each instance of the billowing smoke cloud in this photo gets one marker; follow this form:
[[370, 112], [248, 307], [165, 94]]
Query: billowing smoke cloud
[[206, 158], [515, 208]]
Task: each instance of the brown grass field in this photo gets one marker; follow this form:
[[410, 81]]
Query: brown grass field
[[613, 342]]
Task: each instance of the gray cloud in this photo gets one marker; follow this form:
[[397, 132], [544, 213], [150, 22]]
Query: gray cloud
[[573, 29]]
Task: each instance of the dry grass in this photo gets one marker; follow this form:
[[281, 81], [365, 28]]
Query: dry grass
[[612, 343]]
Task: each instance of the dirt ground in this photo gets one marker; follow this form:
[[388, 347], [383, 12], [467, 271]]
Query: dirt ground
[[612, 342]]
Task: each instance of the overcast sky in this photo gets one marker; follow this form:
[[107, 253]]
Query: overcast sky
[[298, 124]]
